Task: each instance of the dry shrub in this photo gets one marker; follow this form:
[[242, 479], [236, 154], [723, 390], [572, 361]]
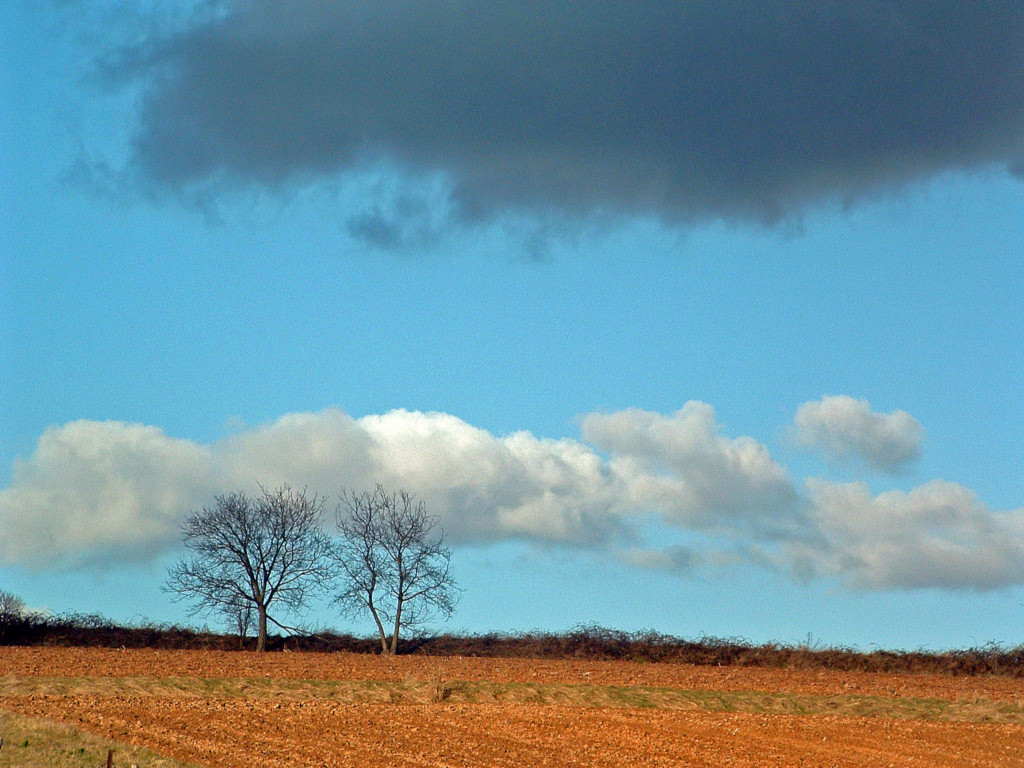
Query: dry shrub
[[600, 643], [588, 642]]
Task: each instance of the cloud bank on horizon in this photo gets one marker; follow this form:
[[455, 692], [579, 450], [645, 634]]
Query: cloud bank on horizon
[[95, 493], [737, 109]]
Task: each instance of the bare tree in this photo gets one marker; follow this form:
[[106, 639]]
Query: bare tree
[[395, 564], [253, 553], [12, 607]]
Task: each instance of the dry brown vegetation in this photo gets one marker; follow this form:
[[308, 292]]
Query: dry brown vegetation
[[232, 709], [584, 642]]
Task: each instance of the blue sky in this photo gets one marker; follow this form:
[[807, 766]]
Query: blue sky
[[766, 391]]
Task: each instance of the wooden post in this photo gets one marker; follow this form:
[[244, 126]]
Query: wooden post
[[110, 758]]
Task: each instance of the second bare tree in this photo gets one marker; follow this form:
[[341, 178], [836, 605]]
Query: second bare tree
[[394, 562]]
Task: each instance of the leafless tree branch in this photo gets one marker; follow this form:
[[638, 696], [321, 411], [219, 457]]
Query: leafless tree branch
[[251, 553], [394, 562]]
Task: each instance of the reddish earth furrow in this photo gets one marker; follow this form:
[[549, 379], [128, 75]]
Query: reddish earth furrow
[[232, 734], [256, 732], [102, 662]]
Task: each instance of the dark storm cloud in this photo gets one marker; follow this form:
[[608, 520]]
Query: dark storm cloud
[[737, 108], [406, 220]]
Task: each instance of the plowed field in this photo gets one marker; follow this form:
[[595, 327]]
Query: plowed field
[[295, 709]]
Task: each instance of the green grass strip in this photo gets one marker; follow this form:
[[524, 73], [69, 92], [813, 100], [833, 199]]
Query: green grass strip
[[31, 742]]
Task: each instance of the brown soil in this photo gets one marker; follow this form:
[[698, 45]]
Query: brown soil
[[262, 730], [103, 662]]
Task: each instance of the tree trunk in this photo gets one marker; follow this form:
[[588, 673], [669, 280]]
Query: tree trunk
[[380, 626], [261, 639], [383, 635], [398, 624]]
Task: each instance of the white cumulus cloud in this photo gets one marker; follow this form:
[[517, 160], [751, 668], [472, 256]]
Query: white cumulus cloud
[[698, 478], [97, 494], [483, 487], [99, 491], [935, 535], [843, 427]]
